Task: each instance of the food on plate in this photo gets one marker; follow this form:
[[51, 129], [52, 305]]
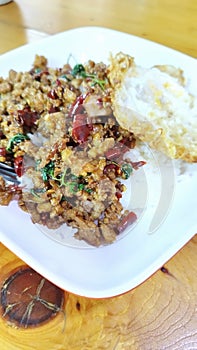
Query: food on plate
[[155, 104], [58, 130], [70, 133]]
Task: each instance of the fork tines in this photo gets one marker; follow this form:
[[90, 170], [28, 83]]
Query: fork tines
[[8, 173]]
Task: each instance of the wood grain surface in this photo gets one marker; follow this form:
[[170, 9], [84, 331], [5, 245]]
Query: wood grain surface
[[170, 22], [162, 312], [159, 314]]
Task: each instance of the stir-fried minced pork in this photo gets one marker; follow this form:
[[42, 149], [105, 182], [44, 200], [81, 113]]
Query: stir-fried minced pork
[[58, 130]]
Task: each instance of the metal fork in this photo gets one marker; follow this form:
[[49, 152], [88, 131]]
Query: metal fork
[[8, 173]]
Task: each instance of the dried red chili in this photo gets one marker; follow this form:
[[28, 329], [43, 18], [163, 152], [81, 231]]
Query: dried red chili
[[2, 151], [77, 106], [18, 166], [128, 220], [81, 130], [27, 118], [53, 94], [137, 165]]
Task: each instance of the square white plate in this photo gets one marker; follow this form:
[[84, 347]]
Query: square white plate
[[117, 268]]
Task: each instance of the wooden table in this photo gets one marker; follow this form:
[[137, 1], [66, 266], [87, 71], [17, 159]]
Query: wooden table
[[162, 312]]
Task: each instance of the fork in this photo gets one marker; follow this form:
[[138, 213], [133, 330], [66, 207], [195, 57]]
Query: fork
[[8, 173]]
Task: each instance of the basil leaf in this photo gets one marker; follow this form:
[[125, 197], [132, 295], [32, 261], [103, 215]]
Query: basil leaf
[[48, 171], [78, 70], [126, 170], [15, 140]]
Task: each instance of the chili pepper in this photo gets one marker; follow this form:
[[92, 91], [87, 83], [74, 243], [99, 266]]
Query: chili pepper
[[53, 94], [116, 152], [118, 194], [27, 117], [128, 220], [18, 166], [77, 106], [137, 165], [81, 130], [2, 151]]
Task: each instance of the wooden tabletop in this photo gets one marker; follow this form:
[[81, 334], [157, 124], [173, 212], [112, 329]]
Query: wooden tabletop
[[161, 313]]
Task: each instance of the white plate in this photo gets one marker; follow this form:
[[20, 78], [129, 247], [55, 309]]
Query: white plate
[[117, 268]]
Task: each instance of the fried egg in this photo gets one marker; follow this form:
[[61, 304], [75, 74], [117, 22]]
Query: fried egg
[[155, 104]]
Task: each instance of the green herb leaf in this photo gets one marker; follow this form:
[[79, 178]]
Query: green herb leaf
[[75, 183], [48, 171], [126, 170], [65, 77], [15, 140], [88, 190], [37, 70], [78, 70]]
